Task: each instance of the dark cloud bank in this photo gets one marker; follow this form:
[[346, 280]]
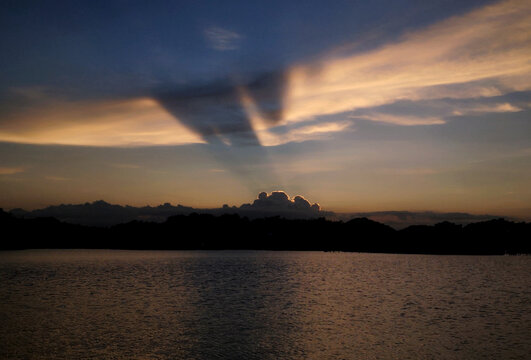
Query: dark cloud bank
[[276, 204]]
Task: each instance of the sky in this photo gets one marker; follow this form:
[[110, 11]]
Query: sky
[[356, 105]]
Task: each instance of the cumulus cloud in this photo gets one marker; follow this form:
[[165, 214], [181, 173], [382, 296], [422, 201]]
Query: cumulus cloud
[[280, 202], [222, 39]]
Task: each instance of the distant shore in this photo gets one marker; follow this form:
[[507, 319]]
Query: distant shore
[[231, 232]]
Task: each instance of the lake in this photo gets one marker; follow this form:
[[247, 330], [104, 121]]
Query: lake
[[104, 304]]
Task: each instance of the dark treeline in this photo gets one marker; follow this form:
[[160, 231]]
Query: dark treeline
[[202, 231]]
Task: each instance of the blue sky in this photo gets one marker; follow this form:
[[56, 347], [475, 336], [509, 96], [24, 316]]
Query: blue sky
[[133, 46], [360, 106]]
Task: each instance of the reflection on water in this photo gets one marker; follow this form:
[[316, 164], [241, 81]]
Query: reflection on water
[[92, 304]]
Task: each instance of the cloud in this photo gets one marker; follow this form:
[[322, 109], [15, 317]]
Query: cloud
[[483, 53], [99, 213], [487, 108], [222, 39], [129, 122], [433, 112], [10, 170], [226, 113], [405, 120], [304, 133], [279, 202]]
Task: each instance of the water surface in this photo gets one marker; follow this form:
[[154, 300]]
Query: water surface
[[99, 304]]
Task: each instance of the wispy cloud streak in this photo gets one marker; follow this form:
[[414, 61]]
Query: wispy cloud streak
[[488, 108], [404, 120], [483, 53], [304, 133], [122, 123], [222, 39]]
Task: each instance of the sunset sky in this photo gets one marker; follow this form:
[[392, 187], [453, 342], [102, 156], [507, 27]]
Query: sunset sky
[[357, 105]]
